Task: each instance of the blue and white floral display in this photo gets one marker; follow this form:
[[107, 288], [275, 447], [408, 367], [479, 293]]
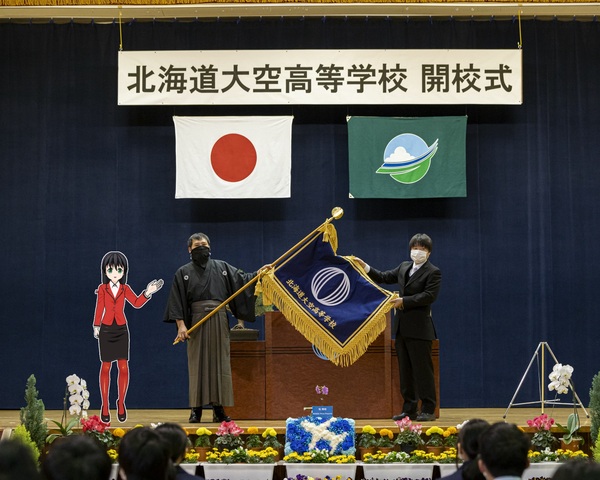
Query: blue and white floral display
[[335, 434]]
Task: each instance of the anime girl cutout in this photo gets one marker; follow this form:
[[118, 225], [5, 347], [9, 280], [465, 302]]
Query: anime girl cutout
[[110, 327]]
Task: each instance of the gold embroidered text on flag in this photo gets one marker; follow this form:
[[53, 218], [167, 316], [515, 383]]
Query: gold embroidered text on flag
[[328, 298]]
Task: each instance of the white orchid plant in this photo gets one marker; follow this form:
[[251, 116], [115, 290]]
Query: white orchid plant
[[560, 378], [78, 396]]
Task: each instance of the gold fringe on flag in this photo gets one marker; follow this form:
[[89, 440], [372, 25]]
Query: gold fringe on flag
[[341, 355]]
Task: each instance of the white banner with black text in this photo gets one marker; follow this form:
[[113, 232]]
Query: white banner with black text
[[317, 77]]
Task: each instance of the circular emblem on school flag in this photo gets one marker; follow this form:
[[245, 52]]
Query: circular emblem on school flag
[[407, 158], [330, 286]]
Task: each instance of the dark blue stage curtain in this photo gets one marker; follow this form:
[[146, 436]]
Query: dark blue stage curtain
[[82, 176]]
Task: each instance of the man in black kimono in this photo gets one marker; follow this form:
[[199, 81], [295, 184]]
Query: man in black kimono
[[199, 287]]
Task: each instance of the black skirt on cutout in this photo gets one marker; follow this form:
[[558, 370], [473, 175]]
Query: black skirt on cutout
[[114, 342]]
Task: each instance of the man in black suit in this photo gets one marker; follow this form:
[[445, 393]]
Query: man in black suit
[[419, 283]]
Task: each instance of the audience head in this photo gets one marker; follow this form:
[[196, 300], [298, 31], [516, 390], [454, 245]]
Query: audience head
[[143, 455], [467, 447], [17, 462], [503, 450], [578, 470], [176, 440], [76, 457]]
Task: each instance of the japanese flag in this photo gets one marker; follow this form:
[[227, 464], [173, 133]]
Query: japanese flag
[[233, 157]]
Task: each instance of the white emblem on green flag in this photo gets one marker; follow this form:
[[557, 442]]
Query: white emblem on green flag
[[394, 157]]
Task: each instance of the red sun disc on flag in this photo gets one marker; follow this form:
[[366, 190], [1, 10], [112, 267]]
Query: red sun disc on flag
[[233, 157]]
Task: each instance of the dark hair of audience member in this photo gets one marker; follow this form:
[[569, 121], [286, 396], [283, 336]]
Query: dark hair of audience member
[[143, 455], [503, 448], [176, 440], [76, 457], [17, 462], [468, 441], [577, 470]]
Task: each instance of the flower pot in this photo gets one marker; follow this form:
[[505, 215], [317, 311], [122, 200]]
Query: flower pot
[[573, 446], [362, 451], [321, 470], [436, 450], [202, 451], [239, 471], [392, 471], [407, 448], [384, 450]]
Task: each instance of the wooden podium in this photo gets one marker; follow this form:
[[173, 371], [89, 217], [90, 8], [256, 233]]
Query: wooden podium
[[276, 378]]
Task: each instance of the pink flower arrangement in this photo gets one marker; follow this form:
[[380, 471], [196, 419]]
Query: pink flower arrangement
[[542, 422], [410, 433], [228, 435], [542, 438], [229, 428], [93, 424], [96, 428]]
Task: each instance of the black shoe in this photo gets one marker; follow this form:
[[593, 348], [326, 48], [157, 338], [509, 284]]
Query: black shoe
[[425, 417], [105, 418], [412, 416], [219, 414], [121, 416], [195, 415]]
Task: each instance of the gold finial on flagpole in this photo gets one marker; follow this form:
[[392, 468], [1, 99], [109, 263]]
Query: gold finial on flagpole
[[337, 213]]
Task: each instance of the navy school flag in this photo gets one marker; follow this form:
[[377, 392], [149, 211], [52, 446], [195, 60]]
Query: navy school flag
[[233, 157], [407, 157], [328, 298]]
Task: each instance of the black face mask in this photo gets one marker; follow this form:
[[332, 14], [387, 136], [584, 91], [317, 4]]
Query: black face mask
[[200, 256]]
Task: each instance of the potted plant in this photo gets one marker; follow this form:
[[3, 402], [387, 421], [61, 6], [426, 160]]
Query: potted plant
[[320, 464], [571, 440], [542, 437], [202, 443], [384, 442], [270, 440], [228, 436], [366, 441], [450, 437], [240, 464], [253, 440], [435, 440], [409, 436]]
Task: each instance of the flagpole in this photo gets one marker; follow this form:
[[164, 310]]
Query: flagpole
[[336, 214]]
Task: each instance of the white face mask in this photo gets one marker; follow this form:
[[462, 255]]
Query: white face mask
[[418, 256]]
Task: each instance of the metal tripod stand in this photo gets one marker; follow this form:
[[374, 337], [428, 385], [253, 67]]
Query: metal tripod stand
[[540, 352]]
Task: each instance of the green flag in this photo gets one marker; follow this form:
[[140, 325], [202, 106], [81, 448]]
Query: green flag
[[407, 157]]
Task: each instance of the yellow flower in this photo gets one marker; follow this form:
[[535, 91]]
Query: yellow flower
[[434, 430], [118, 432], [269, 432], [112, 453], [252, 431], [203, 431], [369, 429], [191, 456], [450, 431], [384, 432]]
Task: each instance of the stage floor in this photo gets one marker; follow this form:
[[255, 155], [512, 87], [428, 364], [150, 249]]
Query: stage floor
[[448, 417]]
